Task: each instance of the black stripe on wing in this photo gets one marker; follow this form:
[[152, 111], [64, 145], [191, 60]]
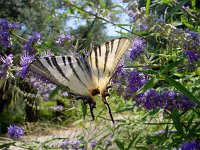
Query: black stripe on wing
[[64, 61], [74, 71], [86, 65], [48, 61], [55, 63], [106, 55], [38, 67], [96, 61]]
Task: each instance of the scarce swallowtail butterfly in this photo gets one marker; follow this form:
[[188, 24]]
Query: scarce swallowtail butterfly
[[85, 76]]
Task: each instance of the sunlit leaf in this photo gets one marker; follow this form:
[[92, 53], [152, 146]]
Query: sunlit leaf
[[147, 6], [103, 5]]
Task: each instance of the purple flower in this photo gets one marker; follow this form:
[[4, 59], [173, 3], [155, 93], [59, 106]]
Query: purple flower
[[62, 39], [15, 132], [174, 100], [65, 144], [135, 81], [75, 144], [192, 55], [65, 94], [58, 108], [7, 61], [133, 13], [191, 146], [119, 74], [25, 60], [5, 28], [151, 99], [31, 42], [137, 48], [143, 27], [93, 143]]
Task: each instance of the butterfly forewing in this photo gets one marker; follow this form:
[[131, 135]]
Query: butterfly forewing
[[66, 71], [105, 58]]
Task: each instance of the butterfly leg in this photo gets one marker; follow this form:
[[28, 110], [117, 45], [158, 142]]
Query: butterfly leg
[[91, 103], [92, 106], [104, 95]]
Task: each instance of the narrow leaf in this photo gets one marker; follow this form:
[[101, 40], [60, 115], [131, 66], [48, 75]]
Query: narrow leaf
[[172, 65], [120, 145], [134, 140], [147, 6], [54, 92], [176, 121], [81, 11], [84, 110], [182, 89], [147, 86], [103, 5], [176, 8]]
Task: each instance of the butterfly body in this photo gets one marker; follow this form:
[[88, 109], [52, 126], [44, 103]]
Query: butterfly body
[[86, 76]]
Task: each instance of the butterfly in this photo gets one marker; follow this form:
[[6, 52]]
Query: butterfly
[[85, 76]]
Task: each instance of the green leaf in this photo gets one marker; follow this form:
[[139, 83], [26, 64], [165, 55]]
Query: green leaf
[[133, 141], [147, 6], [126, 108], [103, 5], [172, 65], [71, 10], [148, 71], [81, 11], [193, 3], [176, 121], [84, 110], [147, 86], [54, 92], [7, 145], [177, 7], [166, 131], [120, 145], [182, 89], [190, 122]]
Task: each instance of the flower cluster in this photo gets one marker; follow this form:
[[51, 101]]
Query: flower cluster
[[135, 81], [167, 100], [62, 39], [76, 144], [25, 60], [15, 132], [150, 99], [5, 28], [6, 62], [193, 145], [137, 48], [94, 143], [42, 85], [31, 42]]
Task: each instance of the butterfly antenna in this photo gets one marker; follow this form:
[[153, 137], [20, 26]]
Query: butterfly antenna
[[110, 113]]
